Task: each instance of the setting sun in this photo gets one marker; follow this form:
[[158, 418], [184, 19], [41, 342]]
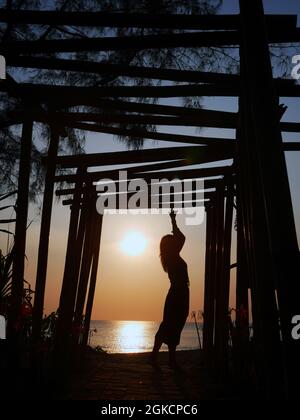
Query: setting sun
[[133, 243]]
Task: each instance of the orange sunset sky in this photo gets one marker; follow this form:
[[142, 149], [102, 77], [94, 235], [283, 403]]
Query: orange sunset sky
[[134, 287]]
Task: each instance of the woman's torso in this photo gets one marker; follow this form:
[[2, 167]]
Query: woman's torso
[[178, 273]]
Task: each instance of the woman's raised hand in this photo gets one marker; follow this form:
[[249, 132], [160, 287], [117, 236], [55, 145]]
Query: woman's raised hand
[[172, 214]]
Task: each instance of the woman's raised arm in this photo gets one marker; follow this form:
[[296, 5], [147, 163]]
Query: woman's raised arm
[[178, 235]]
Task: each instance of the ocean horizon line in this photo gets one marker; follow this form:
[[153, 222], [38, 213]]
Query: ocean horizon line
[[135, 320]]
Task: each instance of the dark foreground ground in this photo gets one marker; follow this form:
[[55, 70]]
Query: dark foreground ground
[[131, 377]]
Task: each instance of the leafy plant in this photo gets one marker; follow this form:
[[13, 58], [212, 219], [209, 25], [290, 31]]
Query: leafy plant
[[5, 260]]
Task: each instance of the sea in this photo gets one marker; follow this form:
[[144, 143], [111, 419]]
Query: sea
[[137, 336]]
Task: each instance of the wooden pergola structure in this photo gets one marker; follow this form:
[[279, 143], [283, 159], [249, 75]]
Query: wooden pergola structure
[[256, 183]]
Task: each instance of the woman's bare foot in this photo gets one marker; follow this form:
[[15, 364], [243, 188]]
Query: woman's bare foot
[[154, 362]]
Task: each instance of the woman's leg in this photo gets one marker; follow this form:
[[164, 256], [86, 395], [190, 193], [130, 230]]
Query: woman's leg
[[157, 345], [172, 355], [153, 356]]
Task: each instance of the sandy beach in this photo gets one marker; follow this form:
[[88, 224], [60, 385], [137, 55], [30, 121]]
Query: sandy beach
[[131, 377]]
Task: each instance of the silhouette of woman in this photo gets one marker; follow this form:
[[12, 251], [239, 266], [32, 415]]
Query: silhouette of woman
[[176, 307]]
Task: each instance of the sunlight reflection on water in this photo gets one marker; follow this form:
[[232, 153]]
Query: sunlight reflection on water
[[136, 336]]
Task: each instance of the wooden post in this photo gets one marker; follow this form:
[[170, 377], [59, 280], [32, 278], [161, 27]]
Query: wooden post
[[64, 331], [242, 280], [258, 145], [208, 318], [222, 307], [20, 230], [277, 200], [44, 236], [93, 277], [87, 256], [219, 280], [242, 356]]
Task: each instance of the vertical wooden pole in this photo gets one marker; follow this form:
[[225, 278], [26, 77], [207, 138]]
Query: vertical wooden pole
[[220, 198], [264, 309], [222, 309], [214, 262], [269, 184], [44, 236], [242, 357], [208, 319], [277, 199], [64, 331], [242, 280], [20, 229], [93, 277], [86, 263]]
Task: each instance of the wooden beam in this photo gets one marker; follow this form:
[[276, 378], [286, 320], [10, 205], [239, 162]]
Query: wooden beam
[[120, 70], [106, 106], [19, 249], [222, 306], [242, 287], [208, 185], [71, 191], [114, 173], [174, 40], [291, 146], [137, 20], [274, 246], [182, 40], [190, 76], [40, 91], [182, 174], [218, 275], [89, 207], [154, 204], [63, 333], [290, 127], [209, 284], [93, 277], [189, 153], [40, 283], [144, 134], [207, 118]]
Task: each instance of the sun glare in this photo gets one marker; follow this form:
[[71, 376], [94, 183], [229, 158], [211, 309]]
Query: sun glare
[[133, 243], [131, 336]]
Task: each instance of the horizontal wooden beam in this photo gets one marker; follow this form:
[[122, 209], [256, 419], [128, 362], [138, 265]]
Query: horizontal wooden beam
[[148, 177], [174, 40], [137, 20], [131, 71], [205, 118], [39, 91], [47, 92], [120, 70], [290, 127], [155, 205], [291, 146], [144, 134], [182, 40], [209, 184], [71, 191], [106, 106], [114, 173], [190, 153], [157, 200]]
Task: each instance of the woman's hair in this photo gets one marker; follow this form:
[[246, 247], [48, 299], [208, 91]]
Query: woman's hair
[[168, 250]]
